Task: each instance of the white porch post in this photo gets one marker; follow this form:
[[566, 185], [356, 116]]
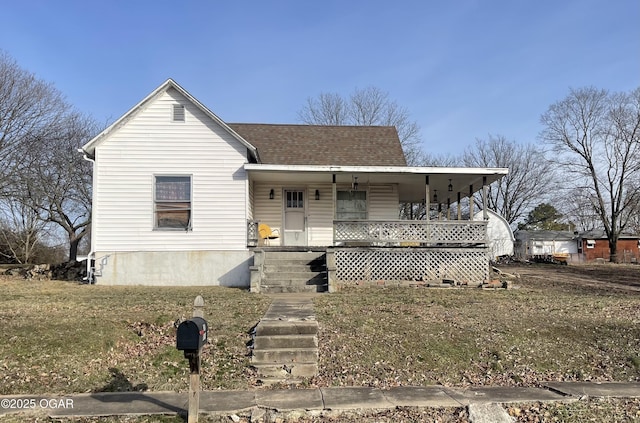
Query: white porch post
[[334, 195], [459, 208], [485, 213], [471, 202], [426, 197]]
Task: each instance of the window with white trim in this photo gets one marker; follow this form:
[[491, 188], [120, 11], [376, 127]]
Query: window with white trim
[[172, 202], [591, 243], [351, 205]]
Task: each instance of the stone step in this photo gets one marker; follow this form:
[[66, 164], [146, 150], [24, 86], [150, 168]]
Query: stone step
[[285, 341], [285, 356], [270, 267], [292, 289], [294, 255], [274, 280], [286, 372], [278, 327], [293, 275], [288, 283]]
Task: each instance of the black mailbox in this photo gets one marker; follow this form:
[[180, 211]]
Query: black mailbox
[[192, 334]]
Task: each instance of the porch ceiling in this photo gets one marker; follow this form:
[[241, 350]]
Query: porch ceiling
[[410, 180]]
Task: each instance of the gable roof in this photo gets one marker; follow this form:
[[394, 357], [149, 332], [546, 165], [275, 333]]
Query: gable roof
[[90, 146], [321, 145]]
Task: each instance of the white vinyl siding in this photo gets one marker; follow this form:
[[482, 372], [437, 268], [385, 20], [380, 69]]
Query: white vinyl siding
[[150, 144], [320, 215], [383, 202]]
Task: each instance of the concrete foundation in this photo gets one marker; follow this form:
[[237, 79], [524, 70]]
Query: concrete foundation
[[174, 268]]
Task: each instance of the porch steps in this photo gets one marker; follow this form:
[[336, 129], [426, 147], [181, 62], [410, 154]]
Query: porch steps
[[294, 271], [285, 343]]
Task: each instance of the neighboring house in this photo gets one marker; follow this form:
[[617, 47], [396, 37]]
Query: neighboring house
[[543, 244], [594, 245], [499, 234], [178, 195]]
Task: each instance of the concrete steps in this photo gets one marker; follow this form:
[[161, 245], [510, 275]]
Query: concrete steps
[[285, 343], [293, 271]]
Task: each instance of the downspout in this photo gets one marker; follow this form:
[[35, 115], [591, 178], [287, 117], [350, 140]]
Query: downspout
[[92, 254]]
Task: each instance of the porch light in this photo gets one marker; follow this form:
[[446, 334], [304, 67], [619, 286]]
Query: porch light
[[317, 195], [271, 194], [355, 183], [450, 187], [435, 196]]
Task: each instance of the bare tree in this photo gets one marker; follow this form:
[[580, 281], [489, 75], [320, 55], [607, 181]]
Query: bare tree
[[578, 209], [40, 169], [326, 109], [368, 107], [21, 229], [528, 183], [28, 107], [59, 179], [595, 136]]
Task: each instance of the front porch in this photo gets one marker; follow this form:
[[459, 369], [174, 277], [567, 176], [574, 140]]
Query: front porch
[[354, 215], [394, 252]]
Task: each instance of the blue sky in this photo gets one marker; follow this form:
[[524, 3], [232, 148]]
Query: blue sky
[[463, 68]]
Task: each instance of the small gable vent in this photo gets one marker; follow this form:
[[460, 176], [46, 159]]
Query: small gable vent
[[178, 113]]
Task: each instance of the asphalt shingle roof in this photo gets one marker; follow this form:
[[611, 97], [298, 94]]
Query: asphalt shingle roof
[[323, 145]]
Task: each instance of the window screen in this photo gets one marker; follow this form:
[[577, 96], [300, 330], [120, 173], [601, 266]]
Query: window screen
[[351, 205], [172, 202]]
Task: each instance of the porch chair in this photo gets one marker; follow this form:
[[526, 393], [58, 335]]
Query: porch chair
[[267, 234]]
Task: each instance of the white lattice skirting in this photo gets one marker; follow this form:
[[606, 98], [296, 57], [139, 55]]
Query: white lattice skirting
[[462, 265]]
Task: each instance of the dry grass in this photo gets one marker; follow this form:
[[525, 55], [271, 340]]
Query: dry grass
[[542, 331], [60, 337]]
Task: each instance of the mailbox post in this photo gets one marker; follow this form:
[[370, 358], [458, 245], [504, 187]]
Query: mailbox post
[[190, 338]]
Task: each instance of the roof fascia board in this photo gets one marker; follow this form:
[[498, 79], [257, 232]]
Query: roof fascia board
[[378, 169]]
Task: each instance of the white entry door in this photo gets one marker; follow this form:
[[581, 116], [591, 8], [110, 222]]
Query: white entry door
[[295, 218]]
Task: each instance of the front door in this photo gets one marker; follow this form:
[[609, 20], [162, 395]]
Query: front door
[[295, 218]]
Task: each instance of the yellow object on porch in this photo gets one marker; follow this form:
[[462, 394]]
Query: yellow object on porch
[[267, 234]]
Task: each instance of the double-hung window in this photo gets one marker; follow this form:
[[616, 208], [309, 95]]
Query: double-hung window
[[351, 205], [172, 202]]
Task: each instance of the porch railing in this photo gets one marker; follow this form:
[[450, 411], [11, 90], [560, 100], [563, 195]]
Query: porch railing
[[252, 233], [407, 232]]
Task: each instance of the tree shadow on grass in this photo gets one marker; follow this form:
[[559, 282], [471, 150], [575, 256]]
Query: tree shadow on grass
[[120, 383], [129, 398]]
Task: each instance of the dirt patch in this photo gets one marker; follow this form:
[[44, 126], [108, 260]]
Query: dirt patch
[[608, 277]]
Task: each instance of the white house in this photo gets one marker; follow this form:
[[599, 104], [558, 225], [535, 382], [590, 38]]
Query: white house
[[544, 244], [178, 194]]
